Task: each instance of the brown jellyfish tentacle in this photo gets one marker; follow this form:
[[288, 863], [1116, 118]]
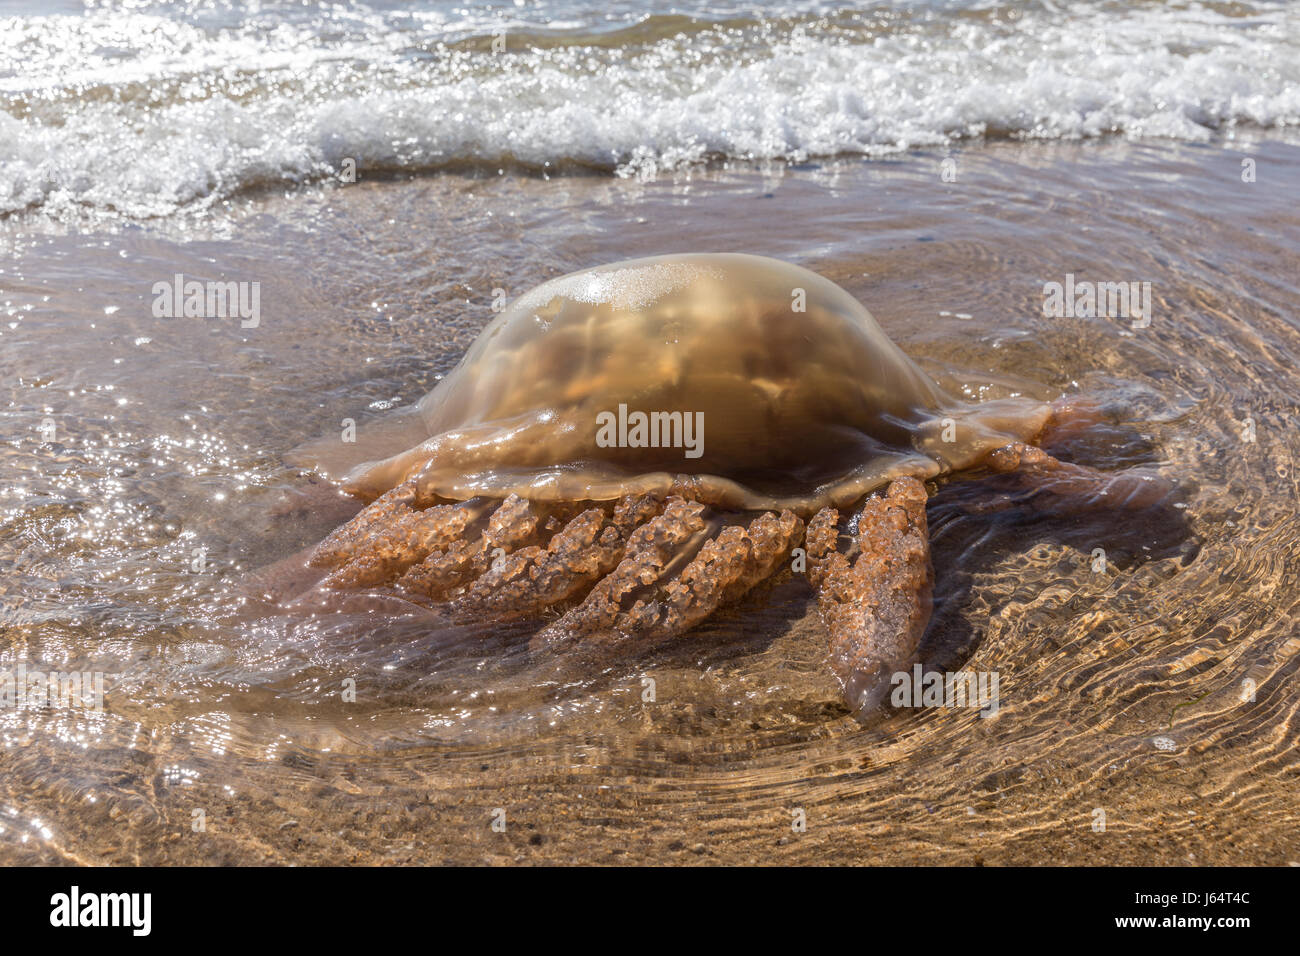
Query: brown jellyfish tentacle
[[406, 540], [725, 568], [437, 573], [1071, 416], [875, 604], [771, 538], [441, 573], [513, 523], [1084, 488], [660, 589], [821, 541], [536, 577], [583, 551], [348, 538], [650, 549]]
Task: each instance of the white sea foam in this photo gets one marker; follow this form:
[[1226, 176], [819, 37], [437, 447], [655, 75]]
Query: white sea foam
[[152, 111]]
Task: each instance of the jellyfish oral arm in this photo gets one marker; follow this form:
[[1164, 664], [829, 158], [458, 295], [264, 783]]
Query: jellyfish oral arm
[[875, 603], [1082, 488]]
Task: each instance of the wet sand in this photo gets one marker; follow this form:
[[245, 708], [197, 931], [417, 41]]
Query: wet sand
[[1121, 689]]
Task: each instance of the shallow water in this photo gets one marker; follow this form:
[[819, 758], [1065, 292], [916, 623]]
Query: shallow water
[[1121, 688]]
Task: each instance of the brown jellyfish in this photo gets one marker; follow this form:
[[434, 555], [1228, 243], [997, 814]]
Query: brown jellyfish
[[626, 449]]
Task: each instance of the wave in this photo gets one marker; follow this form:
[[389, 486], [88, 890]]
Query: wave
[[170, 108]]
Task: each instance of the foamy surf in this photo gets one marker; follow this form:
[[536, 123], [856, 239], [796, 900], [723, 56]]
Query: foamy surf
[[171, 108]]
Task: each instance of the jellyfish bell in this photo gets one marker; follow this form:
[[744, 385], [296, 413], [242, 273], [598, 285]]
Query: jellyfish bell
[[804, 400]]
